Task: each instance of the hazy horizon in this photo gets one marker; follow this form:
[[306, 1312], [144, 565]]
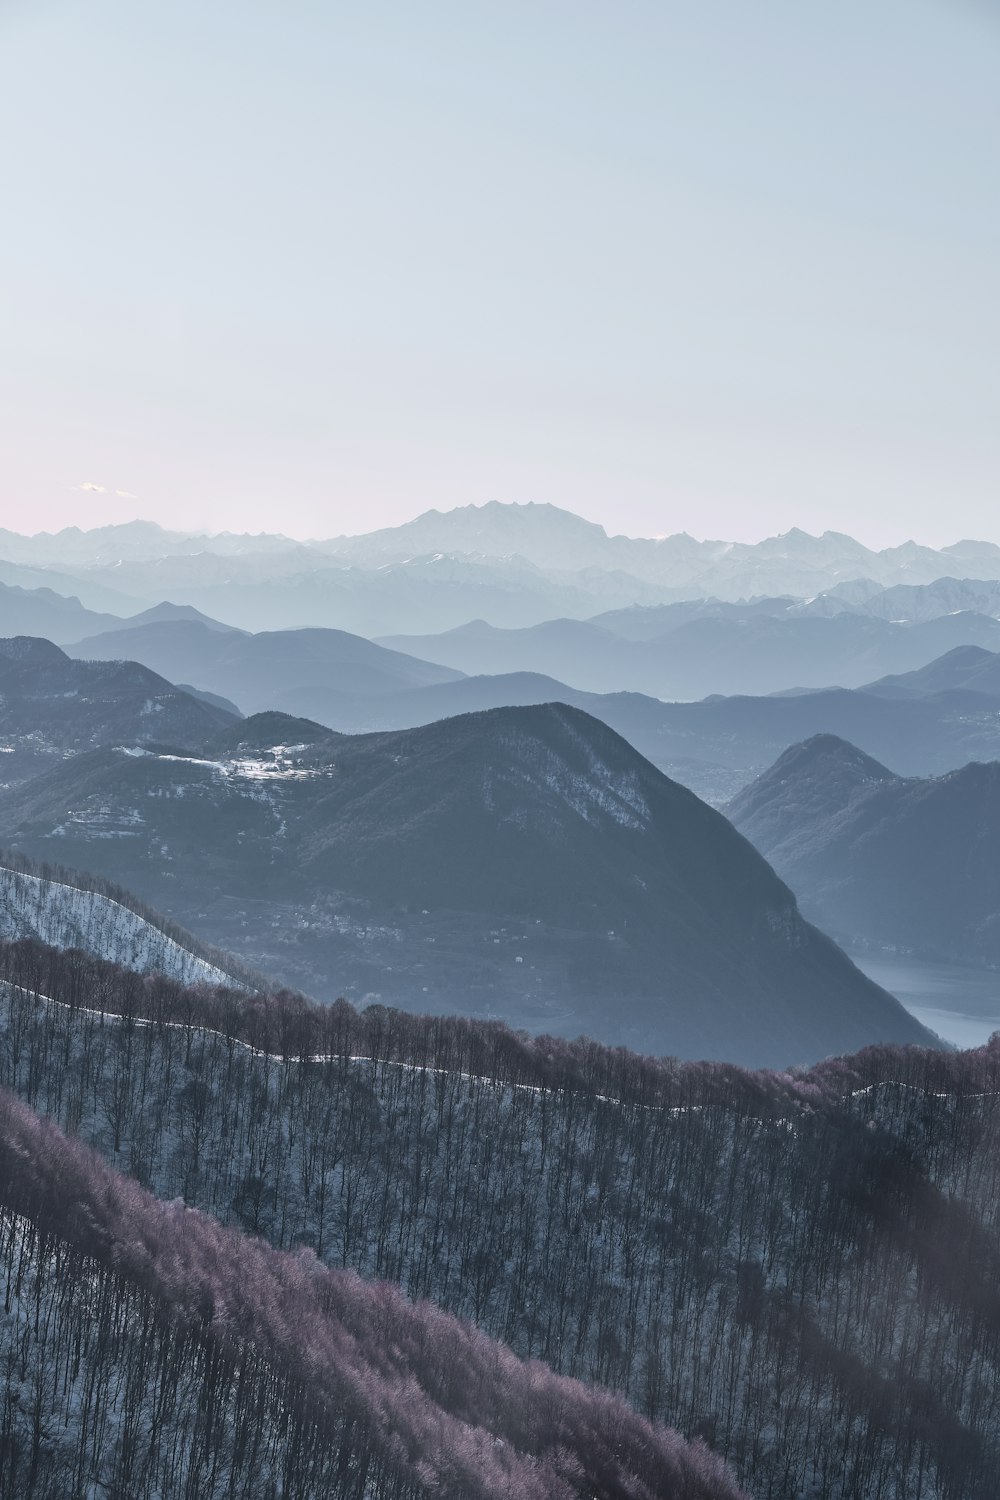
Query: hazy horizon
[[672, 267]]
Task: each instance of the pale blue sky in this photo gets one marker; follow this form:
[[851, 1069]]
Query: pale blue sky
[[315, 267]]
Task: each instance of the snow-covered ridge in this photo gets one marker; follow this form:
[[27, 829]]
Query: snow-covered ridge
[[63, 916]]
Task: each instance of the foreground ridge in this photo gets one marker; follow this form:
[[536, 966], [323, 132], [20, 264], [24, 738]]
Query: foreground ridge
[[702, 1239], [245, 1365]]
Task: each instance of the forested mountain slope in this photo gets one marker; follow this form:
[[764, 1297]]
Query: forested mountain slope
[[905, 863], [526, 863], [802, 1268], [146, 1351]]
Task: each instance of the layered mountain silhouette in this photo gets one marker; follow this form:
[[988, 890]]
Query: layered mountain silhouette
[[765, 650], [720, 744], [910, 864], [715, 746], [294, 671], [526, 863], [43, 612], [966, 669]]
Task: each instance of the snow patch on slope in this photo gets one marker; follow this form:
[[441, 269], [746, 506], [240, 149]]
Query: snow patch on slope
[[601, 792]]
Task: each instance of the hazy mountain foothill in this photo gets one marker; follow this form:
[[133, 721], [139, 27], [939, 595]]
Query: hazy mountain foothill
[[692, 658], [293, 671], [965, 670]]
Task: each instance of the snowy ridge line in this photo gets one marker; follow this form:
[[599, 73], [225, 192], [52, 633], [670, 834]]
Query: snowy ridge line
[[316, 1057], [188, 960], [390, 1062]]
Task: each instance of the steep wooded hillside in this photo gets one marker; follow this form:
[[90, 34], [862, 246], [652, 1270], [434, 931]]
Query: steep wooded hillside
[[146, 1351], [802, 1268]]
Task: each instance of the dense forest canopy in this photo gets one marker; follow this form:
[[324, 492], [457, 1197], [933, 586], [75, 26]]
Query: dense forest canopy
[[801, 1268]]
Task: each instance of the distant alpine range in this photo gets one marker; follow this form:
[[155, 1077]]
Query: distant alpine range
[[509, 565]]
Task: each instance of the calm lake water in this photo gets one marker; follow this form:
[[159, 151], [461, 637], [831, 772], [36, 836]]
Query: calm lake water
[[961, 1005]]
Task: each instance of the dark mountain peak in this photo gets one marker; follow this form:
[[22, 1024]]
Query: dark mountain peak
[[31, 650], [903, 864], [270, 730], [964, 669], [815, 779], [829, 755], [981, 778], [507, 734], [167, 612], [967, 656]]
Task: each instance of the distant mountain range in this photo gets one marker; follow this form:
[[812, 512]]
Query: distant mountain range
[[909, 864], [513, 565], [737, 652], [910, 603], [525, 863], [683, 651]]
